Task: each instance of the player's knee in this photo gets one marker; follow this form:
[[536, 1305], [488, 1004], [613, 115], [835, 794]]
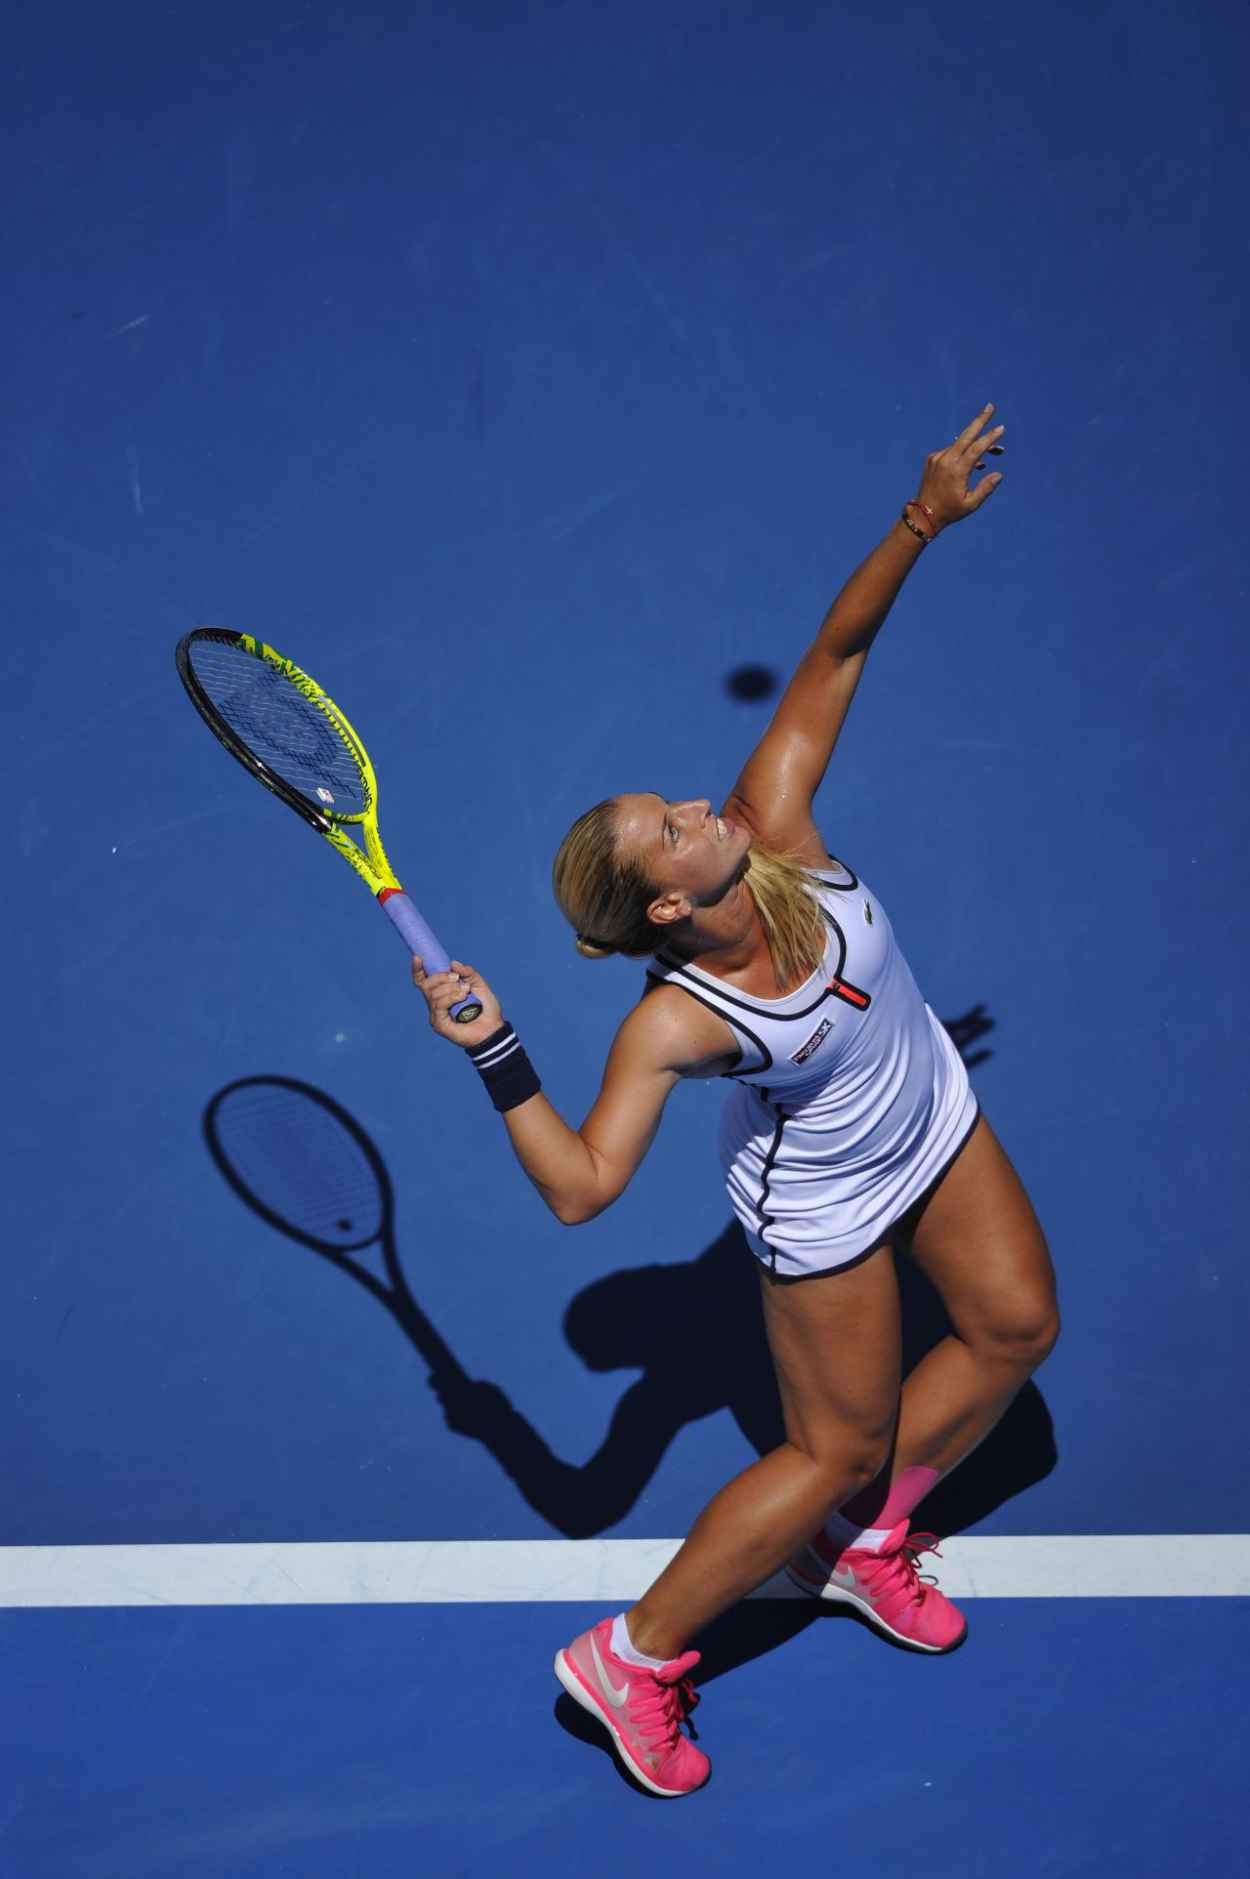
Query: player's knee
[[865, 1465], [851, 1459], [1026, 1337], [1046, 1333]]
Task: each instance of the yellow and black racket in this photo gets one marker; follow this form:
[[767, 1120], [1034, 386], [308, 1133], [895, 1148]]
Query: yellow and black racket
[[291, 737]]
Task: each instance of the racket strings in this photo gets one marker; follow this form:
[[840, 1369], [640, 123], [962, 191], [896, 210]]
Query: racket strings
[[292, 735]]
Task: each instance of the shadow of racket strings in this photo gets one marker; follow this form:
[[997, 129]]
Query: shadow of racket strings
[[306, 1167]]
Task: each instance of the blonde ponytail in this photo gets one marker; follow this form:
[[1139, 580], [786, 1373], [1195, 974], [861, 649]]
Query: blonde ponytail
[[784, 891]]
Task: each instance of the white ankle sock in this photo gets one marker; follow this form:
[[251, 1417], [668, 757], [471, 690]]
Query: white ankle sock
[[844, 1533], [622, 1647]]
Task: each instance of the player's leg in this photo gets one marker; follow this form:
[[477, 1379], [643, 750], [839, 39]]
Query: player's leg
[[978, 1240], [835, 1344], [834, 1339]]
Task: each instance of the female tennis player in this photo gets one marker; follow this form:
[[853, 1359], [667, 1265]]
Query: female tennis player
[[849, 1126]]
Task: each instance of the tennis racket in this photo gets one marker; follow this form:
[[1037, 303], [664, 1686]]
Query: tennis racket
[[291, 737]]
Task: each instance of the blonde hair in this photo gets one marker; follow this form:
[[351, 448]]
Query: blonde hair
[[604, 896]]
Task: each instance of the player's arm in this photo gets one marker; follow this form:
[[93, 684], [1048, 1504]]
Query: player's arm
[[773, 795], [579, 1172]]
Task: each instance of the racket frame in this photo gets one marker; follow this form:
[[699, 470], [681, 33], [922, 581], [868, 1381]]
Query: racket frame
[[371, 864]]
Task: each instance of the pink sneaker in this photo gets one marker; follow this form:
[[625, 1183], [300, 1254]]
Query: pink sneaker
[[643, 1710], [884, 1586]]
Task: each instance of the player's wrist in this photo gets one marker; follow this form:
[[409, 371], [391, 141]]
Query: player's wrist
[[504, 1068], [918, 518]]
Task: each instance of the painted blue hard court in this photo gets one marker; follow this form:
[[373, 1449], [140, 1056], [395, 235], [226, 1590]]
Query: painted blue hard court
[[557, 367], [307, 1742]]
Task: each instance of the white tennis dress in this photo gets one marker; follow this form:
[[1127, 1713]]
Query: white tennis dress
[[850, 1098]]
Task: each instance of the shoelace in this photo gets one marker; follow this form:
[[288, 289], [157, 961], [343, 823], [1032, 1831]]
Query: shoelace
[[660, 1714], [689, 1700], [900, 1567], [917, 1543]]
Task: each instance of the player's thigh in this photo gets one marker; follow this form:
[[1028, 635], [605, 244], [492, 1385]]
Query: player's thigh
[[834, 1339], [980, 1243]]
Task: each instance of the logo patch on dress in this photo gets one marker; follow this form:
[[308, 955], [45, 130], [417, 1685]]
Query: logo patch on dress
[[814, 1042]]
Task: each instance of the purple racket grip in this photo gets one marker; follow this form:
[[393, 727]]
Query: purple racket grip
[[419, 939]]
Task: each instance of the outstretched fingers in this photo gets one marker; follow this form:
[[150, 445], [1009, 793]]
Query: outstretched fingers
[[970, 450], [970, 437], [945, 487]]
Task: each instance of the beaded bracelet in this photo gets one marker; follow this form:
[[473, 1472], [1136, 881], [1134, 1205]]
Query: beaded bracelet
[[504, 1068], [914, 503]]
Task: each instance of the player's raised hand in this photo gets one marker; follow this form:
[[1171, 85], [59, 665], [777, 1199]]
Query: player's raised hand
[[442, 990], [944, 485]]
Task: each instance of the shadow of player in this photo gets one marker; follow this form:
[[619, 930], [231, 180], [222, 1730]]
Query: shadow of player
[[694, 1330]]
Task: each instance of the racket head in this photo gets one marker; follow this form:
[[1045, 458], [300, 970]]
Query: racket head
[[301, 1162], [276, 721]]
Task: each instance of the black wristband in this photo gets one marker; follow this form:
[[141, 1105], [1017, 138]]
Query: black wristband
[[504, 1068]]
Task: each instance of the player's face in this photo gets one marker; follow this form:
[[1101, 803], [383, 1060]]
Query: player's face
[[684, 847]]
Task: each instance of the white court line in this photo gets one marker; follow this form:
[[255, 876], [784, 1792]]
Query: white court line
[[452, 1572]]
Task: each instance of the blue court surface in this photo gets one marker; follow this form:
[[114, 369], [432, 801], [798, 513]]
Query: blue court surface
[[526, 373]]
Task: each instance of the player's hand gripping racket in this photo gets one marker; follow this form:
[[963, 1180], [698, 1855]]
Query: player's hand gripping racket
[[292, 738]]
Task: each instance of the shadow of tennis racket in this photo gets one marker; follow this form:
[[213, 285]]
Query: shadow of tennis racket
[[306, 1167]]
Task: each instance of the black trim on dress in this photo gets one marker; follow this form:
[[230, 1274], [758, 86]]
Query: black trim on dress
[[757, 1006], [678, 971], [761, 1047], [840, 987], [842, 887], [901, 1228], [766, 1219]]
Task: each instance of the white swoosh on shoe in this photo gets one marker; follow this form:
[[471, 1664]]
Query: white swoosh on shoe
[[845, 1580], [617, 1698]]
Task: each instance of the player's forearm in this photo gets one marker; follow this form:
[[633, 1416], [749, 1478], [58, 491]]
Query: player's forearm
[[852, 622], [555, 1158]]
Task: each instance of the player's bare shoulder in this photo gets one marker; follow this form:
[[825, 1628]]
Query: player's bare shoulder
[[681, 1034]]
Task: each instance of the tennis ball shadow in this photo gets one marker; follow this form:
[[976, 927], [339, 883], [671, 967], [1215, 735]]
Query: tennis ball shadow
[[751, 682]]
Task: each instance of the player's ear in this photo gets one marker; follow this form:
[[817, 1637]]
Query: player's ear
[[667, 908]]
